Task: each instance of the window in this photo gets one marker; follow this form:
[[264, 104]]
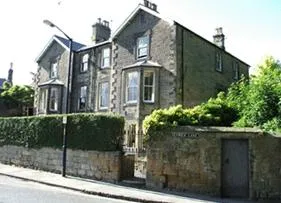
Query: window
[[105, 58], [82, 98], [148, 86], [53, 99], [219, 62], [43, 96], [104, 95], [132, 87], [142, 47], [84, 64], [54, 70], [235, 71]]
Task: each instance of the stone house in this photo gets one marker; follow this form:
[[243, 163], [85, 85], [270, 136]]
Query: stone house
[[149, 62]]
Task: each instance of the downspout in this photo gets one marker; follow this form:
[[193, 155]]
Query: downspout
[[182, 67]]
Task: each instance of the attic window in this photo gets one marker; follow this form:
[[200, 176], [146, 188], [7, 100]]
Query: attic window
[[54, 70], [142, 47]]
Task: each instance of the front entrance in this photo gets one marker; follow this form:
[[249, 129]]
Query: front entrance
[[235, 168]]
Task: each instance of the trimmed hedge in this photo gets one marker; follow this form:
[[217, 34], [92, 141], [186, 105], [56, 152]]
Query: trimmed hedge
[[101, 132]]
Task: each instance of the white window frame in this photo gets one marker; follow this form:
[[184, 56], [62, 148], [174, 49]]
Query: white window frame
[[54, 70], [141, 46], [104, 95], [105, 56], [82, 97], [84, 63], [149, 86], [219, 65], [235, 71], [53, 98], [129, 86]]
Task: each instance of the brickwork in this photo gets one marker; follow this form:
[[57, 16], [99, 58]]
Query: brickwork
[[91, 164]]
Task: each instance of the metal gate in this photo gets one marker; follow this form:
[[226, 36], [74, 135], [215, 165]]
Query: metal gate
[[235, 168]]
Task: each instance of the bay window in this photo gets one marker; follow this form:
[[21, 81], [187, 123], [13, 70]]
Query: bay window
[[132, 87], [53, 99], [148, 86]]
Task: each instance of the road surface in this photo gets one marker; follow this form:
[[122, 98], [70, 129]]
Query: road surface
[[18, 191]]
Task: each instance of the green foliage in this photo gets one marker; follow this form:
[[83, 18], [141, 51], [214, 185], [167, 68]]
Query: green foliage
[[258, 100], [17, 96], [215, 112], [103, 132]]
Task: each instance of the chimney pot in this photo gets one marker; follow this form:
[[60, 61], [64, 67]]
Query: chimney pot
[[154, 7], [145, 2]]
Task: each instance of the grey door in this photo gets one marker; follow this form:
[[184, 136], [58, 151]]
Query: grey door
[[235, 168]]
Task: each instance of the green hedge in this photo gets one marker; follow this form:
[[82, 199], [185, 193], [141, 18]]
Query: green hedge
[[102, 132]]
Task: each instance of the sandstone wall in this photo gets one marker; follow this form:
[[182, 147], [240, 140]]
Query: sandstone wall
[[91, 164], [190, 159]]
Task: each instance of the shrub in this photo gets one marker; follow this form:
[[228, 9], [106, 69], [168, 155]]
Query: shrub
[[103, 132], [215, 112]]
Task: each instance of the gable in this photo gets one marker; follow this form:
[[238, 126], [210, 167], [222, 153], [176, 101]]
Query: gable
[[64, 43], [135, 14]]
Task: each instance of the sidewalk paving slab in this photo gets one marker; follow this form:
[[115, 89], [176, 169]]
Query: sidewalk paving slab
[[103, 188]]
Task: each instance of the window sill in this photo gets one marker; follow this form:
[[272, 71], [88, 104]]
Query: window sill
[[130, 104], [103, 108], [105, 68], [149, 102], [83, 72]]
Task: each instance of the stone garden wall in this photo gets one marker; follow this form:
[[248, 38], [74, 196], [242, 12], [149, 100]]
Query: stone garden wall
[[96, 165], [190, 159]]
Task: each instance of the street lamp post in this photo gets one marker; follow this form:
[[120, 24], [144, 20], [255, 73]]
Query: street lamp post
[[64, 146]]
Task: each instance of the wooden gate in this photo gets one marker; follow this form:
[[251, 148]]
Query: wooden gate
[[235, 168]]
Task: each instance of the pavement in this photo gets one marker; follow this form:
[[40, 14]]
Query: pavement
[[102, 188]]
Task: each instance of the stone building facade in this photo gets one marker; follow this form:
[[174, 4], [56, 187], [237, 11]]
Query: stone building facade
[[149, 62]]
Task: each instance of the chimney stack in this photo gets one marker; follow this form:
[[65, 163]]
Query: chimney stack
[[219, 38], [101, 31], [150, 5], [10, 74]]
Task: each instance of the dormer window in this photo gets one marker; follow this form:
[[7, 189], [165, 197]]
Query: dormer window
[[54, 70], [105, 63], [84, 63], [142, 47]]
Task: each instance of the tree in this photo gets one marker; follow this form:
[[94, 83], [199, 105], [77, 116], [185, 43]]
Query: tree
[[258, 100], [17, 96]]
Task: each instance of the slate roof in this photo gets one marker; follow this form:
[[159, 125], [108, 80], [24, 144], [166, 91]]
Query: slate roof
[[2, 80], [63, 42], [145, 63], [51, 82], [75, 45]]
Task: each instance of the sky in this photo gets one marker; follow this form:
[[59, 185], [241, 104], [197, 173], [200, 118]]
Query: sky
[[252, 27]]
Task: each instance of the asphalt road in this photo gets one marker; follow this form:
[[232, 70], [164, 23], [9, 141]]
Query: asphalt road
[[18, 191]]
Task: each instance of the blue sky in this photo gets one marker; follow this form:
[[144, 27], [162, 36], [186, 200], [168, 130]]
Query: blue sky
[[252, 27]]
